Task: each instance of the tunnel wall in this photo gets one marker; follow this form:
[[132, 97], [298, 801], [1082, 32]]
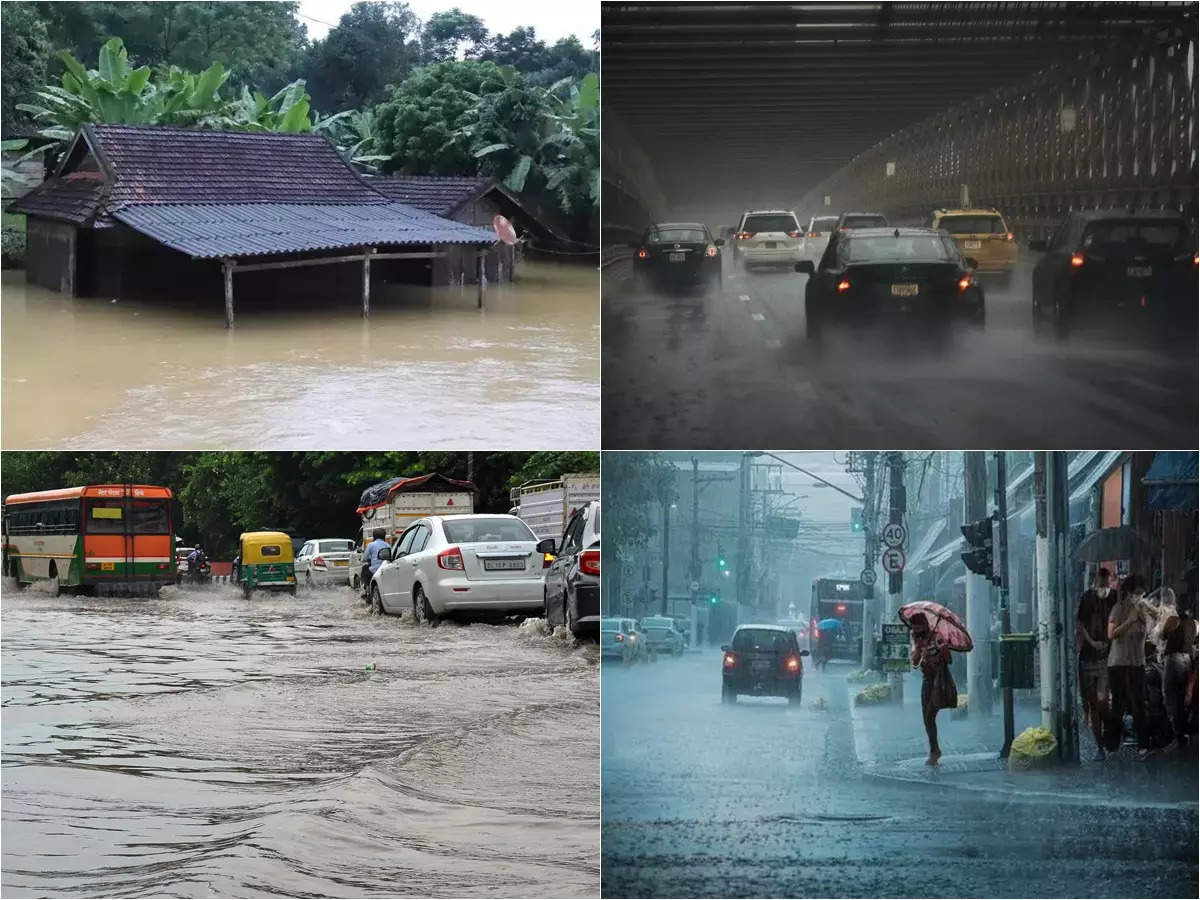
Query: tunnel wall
[[1112, 130]]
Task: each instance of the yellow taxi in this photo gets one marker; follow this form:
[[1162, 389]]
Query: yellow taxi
[[982, 235]]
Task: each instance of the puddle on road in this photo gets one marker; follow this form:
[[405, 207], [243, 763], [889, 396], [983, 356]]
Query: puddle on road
[[428, 364], [201, 744]]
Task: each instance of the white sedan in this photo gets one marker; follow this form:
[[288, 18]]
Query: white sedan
[[469, 563], [328, 561]]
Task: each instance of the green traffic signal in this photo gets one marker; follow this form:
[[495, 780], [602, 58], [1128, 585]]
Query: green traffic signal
[[713, 599], [721, 563]]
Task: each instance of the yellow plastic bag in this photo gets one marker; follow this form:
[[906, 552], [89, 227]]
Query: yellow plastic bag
[[1033, 748]]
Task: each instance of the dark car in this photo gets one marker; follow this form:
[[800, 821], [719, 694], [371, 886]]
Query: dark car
[[572, 589], [678, 254], [1117, 264], [762, 661], [880, 274], [849, 221]]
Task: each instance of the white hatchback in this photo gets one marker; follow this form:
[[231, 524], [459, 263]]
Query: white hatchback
[[328, 561], [446, 564], [767, 237]]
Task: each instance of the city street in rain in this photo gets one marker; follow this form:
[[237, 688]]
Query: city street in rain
[[200, 744]]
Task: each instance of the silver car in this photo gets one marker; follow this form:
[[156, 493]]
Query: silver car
[[328, 561], [468, 563], [620, 638], [662, 636]]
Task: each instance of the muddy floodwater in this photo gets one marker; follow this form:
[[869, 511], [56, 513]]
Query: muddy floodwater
[[203, 745], [428, 369]]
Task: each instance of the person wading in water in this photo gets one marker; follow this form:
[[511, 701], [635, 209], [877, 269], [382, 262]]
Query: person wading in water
[[938, 690]]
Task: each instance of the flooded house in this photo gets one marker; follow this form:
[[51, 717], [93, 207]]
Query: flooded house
[[137, 211], [476, 200]]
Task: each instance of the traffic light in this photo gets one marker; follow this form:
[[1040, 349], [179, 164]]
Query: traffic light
[[722, 563], [856, 518], [978, 536], [714, 599]]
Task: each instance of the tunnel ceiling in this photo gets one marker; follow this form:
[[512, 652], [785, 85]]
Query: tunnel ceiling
[[751, 101]]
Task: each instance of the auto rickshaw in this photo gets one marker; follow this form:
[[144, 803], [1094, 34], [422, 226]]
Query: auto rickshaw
[[266, 562]]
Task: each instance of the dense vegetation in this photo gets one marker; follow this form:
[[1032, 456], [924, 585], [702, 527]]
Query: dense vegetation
[[306, 494], [443, 96]]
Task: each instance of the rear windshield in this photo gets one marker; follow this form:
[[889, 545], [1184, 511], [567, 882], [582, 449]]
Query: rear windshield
[[972, 224], [762, 640], [610, 624], [906, 248], [335, 546], [1150, 234], [824, 225], [676, 235], [757, 224], [269, 550], [500, 528], [864, 222]]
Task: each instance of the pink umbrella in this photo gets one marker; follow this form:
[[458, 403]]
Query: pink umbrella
[[944, 624]]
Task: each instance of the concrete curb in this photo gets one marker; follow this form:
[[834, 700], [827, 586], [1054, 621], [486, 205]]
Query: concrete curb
[[956, 765]]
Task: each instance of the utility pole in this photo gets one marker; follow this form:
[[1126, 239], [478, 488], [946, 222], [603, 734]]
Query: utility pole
[[1067, 732], [743, 538], [694, 575], [1002, 584], [979, 614], [897, 504], [666, 581], [868, 643], [1047, 610]]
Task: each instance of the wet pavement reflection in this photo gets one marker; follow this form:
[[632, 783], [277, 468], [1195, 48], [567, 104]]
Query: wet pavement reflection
[[199, 744]]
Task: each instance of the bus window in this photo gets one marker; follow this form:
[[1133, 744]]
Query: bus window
[[105, 516], [149, 516]]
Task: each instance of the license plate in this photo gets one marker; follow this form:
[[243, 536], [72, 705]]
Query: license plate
[[770, 245], [107, 567], [760, 665], [972, 245], [493, 565], [904, 290], [1139, 271], [341, 562], [675, 257]]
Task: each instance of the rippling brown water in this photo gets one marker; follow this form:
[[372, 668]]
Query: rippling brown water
[[200, 745]]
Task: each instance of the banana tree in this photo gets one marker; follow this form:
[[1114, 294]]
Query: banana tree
[[286, 111], [354, 132]]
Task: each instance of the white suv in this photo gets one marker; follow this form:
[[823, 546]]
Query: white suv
[[767, 237], [816, 238]]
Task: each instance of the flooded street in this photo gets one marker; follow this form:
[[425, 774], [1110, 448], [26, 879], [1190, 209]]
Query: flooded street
[[201, 745], [428, 368]]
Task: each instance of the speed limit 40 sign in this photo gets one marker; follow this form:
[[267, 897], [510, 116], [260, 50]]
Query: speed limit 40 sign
[[894, 534]]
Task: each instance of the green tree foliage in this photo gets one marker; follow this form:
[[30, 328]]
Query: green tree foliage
[[448, 34], [222, 494], [544, 64], [635, 485], [25, 51], [373, 46]]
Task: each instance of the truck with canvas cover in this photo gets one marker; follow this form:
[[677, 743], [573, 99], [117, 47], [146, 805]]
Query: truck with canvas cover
[[395, 504]]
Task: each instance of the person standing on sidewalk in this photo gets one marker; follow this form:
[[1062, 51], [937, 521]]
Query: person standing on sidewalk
[[938, 690], [1092, 632], [1126, 665], [1179, 665]]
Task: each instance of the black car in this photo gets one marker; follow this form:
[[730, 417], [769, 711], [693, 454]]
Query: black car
[[762, 661], [881, 274], [678, 254], [1117, 264], [571, 595]]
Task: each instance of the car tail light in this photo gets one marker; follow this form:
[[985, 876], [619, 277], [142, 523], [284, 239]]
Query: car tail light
[[812, 234], [711, 251], [841, 607], [964, 283], [642, 254], [793, 234], [319, 561], [744, 235], [1008, 236], [730, 660], [1076, 260], [1196, 259], [450, 558], [792, 664], [162, 566], [93, 567], [843, 286], [619, 638], [589, 562]]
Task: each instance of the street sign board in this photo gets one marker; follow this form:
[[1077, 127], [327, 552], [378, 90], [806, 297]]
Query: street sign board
[[894, 534], [694, 586], [867, 577], [893, 649], [893, 560], [894, 633]]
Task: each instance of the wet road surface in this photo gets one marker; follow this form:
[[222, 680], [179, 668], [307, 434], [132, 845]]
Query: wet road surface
[[739, 372], [765, 800], [427, 369], [203, 745]]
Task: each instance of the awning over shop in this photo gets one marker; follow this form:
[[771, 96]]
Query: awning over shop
[[1171, 481]]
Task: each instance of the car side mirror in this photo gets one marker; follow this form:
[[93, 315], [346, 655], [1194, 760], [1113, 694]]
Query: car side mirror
[[805, 653], [546, 545], [384, 554], [972, 262], [1038, 246], [719, 242], [806, 266], [724, 648]]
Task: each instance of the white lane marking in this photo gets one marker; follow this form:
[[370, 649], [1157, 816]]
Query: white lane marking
[[757, 317], [745, 298], [774, 344]]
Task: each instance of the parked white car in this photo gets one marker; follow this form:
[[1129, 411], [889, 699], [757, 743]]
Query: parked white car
[[767, 237], [816, 237], [447, 564], [326, 561]]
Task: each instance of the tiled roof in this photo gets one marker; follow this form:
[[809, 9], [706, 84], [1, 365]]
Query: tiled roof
[[253, 229], [438, 194], [74, 198], [178, 165]]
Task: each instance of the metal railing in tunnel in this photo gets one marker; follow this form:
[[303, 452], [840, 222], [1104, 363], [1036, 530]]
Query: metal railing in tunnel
[[1117, 129]]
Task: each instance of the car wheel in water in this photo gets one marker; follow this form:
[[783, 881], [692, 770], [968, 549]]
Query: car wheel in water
[[308, 578], [572, 625], [421, 602], [247, 590], [812, 321], [728, 695], [376, 601], [292, 590], [797, 695]]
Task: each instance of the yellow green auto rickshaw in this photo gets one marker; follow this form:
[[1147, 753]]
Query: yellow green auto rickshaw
[[266, 563]]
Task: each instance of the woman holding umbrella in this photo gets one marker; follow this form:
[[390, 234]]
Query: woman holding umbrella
[[935, 632]]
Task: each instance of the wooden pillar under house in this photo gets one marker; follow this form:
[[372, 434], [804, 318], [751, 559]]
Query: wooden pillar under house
[[481, 272], [227, 265], [366, 281]]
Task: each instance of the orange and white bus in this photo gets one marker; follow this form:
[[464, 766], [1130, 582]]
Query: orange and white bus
[[82, 537]]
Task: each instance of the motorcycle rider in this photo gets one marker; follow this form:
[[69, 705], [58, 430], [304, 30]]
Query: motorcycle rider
[[196, 560], [371, 560]]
